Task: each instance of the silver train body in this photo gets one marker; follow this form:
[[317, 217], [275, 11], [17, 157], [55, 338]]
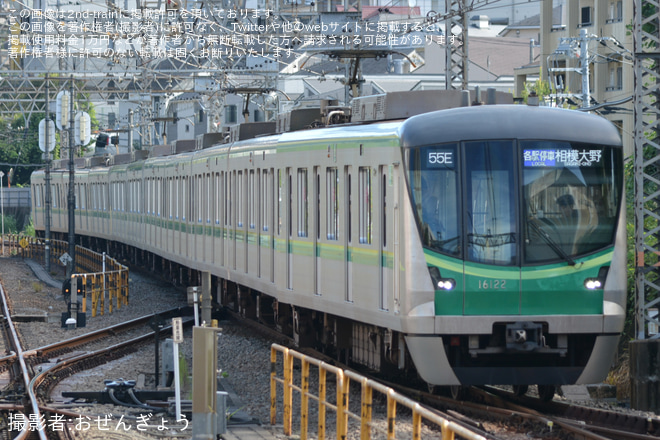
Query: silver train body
[[321, 233]]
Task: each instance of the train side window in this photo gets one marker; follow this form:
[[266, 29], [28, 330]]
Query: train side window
[[209, 208], [332, 207], [279, 202], [229, 199], [349, 201], [170, 194], [265, 202], [302, 203], [252, 200], [384, 207], [317, 220], [239, 199], [199, 200], [364, 201], [150, 197], [159, 196], [184, 199]]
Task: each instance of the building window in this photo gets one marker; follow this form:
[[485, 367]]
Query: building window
[[616, 77], [231, 114], [616, 12], [585, 17]]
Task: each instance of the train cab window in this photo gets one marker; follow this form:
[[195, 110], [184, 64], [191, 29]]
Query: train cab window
[[302, 203], [570, 199], [435, 195], [332, 204], [490, 202]]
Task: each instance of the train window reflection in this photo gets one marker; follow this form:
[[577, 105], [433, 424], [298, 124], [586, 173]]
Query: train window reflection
[[434, 186], [490, 204], [570, 199]]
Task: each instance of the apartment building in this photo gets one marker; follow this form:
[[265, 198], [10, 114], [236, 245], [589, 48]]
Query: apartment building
[[609, 54]]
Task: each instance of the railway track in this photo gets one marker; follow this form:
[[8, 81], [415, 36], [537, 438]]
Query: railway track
[[29, 376], [532, 415], [567, 420]]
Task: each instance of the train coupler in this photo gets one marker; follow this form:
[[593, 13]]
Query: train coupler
[[524, 336]]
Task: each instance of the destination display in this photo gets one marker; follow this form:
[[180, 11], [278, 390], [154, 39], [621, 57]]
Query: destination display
[[561, 158]]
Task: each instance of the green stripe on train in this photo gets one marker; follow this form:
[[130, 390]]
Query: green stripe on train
[[534, 290]]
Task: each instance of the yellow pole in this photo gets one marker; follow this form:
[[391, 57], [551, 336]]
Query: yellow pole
[[391, 418], [367, 400], [273, 386], [288, 379], [304, 400], [322, 402]]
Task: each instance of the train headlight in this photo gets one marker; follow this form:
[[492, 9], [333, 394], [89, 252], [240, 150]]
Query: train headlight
[[446, 284], [593, 284], [598, 282], [441, 283]]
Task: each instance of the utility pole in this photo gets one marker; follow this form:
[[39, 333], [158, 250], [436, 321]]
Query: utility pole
[[456, 45], [48, 194], [130, 131], [71, 266], [584, 68], [566, 50]]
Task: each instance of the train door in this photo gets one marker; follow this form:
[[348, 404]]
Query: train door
[[220, 219], [259, 197], [177, 216], [201, 205], [317, 229], [491, 227], [385, 241], [169, 216], [149, 211], [271, 215], [209, 208], [185, 215], [264, 225], [348, 268], [289, 229], [252, 241], [241, 221], [233, 208], [396, 245]]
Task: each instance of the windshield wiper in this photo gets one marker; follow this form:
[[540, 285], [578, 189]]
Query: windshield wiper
[[553, 244]]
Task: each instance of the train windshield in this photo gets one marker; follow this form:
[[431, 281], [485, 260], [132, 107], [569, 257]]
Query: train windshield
[[434, 182], [571, 198], [468, 204]]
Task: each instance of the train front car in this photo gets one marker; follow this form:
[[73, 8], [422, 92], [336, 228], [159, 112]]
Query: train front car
[[519, 217]]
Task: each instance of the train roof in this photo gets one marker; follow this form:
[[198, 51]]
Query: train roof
[[507, 122]]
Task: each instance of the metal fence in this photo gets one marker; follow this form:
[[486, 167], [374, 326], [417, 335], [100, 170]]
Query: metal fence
[[340, 403], [16, 198], [102, 277]]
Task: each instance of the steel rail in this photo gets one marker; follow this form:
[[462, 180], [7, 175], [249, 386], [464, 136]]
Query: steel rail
[[15, 342], [69, 344]]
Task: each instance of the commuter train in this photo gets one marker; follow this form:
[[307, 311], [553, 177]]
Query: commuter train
[[470, 245]]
